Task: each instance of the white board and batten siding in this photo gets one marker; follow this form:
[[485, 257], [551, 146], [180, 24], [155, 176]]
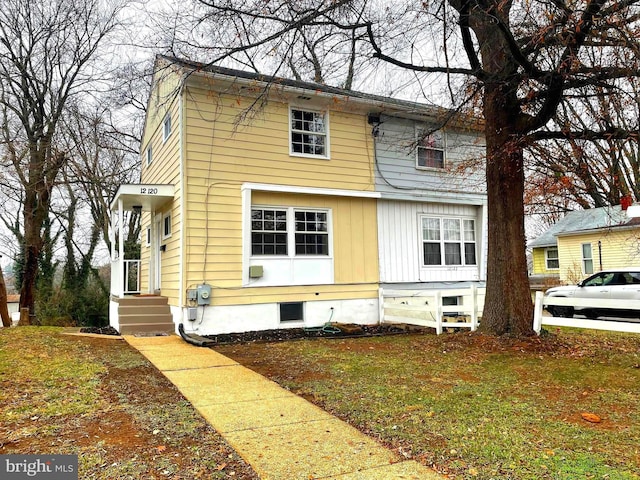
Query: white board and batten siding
[[399, 237]]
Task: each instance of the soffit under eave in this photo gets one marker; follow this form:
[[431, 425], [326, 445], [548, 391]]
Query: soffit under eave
[[318, 97]]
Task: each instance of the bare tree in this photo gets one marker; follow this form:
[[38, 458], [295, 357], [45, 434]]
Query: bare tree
[[47, 49], [575, 172], [525, 61], [325, 54]]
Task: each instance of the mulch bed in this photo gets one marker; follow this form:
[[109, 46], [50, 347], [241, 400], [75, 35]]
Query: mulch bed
[[332, 331], [100, 330], [283, 334]]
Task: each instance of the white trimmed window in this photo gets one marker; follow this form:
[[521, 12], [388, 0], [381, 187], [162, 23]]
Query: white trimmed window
[[148, 239], [430, 149], [166, 226], [551, 259], [448, 241], [587, 259], [309, 133], [269, 231], [289, 231], [149, 155], [166, 128]]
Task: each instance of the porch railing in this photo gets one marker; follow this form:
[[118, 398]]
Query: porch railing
[[131, 276]]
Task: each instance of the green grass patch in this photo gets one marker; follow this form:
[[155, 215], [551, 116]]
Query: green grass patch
[[102, 400], [476, 407]]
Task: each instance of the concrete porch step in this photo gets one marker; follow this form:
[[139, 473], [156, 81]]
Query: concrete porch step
[[144, 314], [132, 319], [145, 300], [137, 328], [152, 309]]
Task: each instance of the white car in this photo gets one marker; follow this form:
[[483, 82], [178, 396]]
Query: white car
[[622, 284]]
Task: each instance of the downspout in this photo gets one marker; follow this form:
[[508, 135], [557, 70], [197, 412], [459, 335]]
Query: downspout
[[194, 339], [600, 253]]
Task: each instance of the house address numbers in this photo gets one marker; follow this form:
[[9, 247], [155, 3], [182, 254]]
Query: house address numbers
[[148, 190]]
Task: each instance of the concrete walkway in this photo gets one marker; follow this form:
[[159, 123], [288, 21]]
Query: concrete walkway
[[282, 436]]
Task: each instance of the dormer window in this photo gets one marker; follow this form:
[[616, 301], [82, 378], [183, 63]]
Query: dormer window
[[309, 133], [430, 150]]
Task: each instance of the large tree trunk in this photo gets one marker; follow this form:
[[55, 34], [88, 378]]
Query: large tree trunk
[[508, 308], [4, 308], [36, 208]]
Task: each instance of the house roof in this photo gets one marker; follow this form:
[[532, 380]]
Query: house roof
[[377, 103], [585, 221]]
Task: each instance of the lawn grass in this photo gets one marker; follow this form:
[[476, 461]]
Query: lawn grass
[[475, 407], [102, 400]]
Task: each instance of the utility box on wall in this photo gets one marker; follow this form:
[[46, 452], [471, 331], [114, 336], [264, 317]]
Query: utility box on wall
[[204, 294], [256, 271]]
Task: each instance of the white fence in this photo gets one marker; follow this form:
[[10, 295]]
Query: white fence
[[613, 325], [424, 307]]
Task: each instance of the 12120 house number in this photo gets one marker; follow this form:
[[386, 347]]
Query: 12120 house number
[[148, 191]]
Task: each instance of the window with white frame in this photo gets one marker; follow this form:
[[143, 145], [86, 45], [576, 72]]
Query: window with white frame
[[312, 234], [166, 226], [587, 259], [268, 231], [148, 236], [430, 149], [166, 127], [149, 155], [552, 261], [289, 231], [448, 241], [309, 133]]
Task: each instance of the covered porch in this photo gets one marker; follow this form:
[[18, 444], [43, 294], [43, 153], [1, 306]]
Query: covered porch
[[129, 310]]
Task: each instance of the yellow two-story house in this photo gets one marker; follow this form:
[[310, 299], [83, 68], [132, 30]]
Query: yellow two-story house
[[584, 242], [260, 199]]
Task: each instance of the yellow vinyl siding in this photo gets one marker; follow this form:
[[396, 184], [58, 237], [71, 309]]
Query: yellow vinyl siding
[[295, 293], [164, 92], [538, 257], [214, 254], [216, 168], [213, 136], [540, 262], [619, 248], [164, 169]]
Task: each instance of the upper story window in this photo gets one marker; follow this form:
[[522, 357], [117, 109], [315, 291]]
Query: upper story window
[[149, 155], [448, 241], [309, 133], [166, 128], [430, 150], [289, 231], [552, 261]]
